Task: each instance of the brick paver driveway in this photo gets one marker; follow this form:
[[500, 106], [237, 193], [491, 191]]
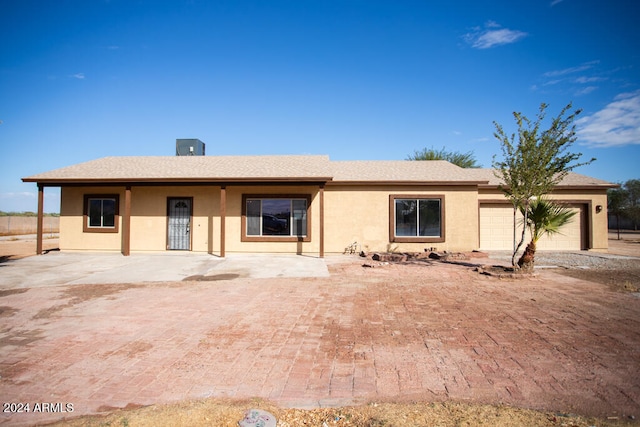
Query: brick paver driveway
[[394, 332]]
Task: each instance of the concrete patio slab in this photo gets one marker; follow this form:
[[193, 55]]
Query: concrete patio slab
[[68, 268]]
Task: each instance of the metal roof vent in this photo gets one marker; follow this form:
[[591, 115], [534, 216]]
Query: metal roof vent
[[189, 147]]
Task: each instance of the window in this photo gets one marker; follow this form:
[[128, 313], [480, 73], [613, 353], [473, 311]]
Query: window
[[416, 218], [275, 218], [101, 213]]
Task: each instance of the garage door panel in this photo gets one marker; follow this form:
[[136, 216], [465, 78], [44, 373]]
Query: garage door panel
[[496, 227], [496, 230], [567, 239]]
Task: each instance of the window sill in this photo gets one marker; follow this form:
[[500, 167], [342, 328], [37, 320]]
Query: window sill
[[275, 239], [100, 230], [420, 239]]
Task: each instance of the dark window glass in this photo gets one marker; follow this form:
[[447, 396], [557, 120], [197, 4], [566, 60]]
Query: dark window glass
[[276, 217], [417, 217], [108, 213], [253, 217], [102, 213]]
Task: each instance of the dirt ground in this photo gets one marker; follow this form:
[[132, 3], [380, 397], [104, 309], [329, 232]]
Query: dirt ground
[[19, 247], [223, 413], [620, 276], [412, 411]]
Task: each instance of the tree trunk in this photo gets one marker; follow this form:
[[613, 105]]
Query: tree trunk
[[518, 245], [528, 257]]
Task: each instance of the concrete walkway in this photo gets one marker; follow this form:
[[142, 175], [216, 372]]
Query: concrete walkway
[[425, 332]]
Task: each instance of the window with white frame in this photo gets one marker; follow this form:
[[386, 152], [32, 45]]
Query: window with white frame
[[101, 213], [416, 218], [275, 217]]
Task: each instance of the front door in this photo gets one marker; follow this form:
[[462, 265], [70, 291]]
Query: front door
[[179, 224]]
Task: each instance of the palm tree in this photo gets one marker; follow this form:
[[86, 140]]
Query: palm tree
[[543, 217], [464, 160]]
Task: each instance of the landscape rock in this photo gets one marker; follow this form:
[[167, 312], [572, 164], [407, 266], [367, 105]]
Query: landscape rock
[[389, 257], [257, 418]]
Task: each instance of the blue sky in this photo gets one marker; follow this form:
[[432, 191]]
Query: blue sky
[[352, 79]]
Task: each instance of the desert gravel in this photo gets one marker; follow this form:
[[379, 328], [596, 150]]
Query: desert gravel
[[582, 260]]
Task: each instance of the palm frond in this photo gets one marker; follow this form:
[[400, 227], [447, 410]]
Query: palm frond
[[546, 217]]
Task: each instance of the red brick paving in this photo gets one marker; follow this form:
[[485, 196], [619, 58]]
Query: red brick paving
[[389, 333]]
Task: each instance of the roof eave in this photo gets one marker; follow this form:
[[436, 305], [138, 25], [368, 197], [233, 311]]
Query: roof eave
[[405, 182], [561, 187], [218, 180]]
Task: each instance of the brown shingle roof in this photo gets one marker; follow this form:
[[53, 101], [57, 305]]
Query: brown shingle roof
[[191, 168], [278, 168], [571, 180], [364, 171]]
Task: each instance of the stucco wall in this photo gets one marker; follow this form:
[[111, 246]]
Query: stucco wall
[[361, 214], [352, 214], [149, 217], [234, 220], [72, 236]]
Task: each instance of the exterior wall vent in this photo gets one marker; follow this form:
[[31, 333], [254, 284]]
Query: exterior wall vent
[[189, 147]]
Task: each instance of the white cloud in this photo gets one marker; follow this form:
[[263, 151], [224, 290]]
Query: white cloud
[[615, 125], [570, 70], [79, 76], [583, 79], [492, 36], [555, 2], [567, 80], [552, 82], [586, 90]]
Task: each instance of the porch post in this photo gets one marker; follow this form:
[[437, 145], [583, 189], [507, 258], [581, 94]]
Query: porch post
[[321, 220], [223, 216], [39, 226], [126, 222]]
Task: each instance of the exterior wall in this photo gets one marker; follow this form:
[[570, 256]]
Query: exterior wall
[[233, 224], [72, 236], [595, 221], [361, 214], [351, 214], [149, 217]]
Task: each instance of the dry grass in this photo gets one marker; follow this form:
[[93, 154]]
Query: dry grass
[[220, 413]]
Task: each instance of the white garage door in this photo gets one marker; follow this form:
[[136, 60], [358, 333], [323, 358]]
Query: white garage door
[[496, 230]]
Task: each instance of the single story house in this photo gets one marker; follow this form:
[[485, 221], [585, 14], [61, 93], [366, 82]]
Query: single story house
[[304, 204]]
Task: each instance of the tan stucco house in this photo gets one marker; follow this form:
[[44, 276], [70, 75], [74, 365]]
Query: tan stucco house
[[298, 204]]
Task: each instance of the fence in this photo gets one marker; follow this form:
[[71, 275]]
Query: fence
[[13, 225], [625, 223]]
